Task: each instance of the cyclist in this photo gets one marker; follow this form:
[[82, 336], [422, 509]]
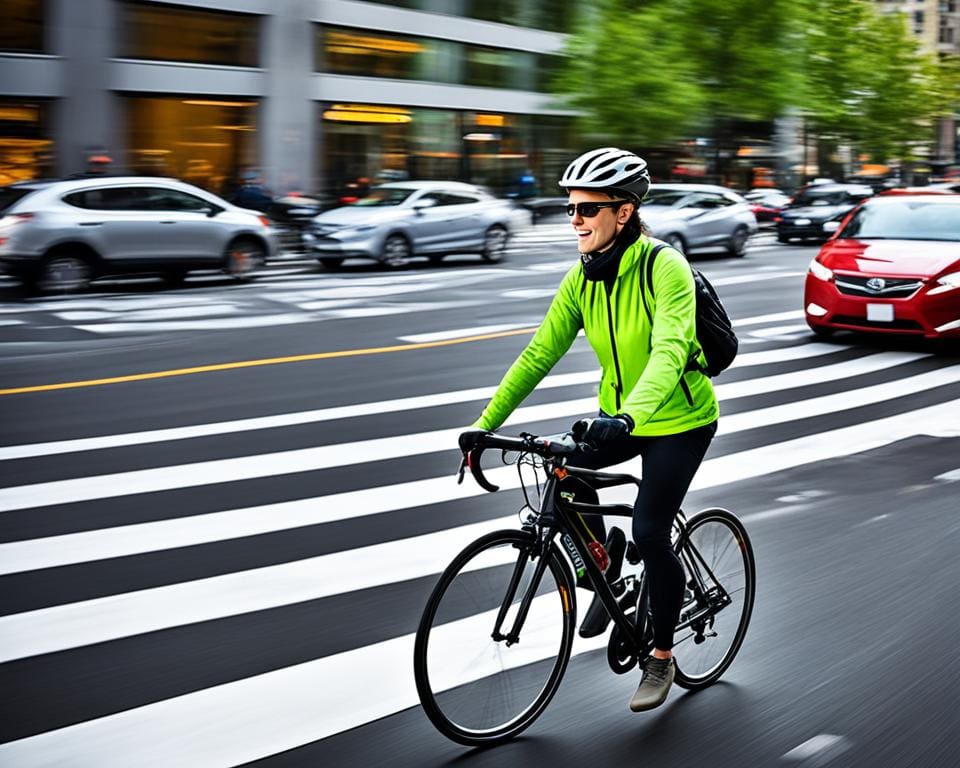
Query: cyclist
[[652, 402]]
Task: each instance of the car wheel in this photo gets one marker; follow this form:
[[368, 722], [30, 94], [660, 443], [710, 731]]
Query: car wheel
[[244, 257], [738, 241], [819, 330], [495, 244], [396, 252], [331, 262], [782, 238], [675, 240], [65, 270]]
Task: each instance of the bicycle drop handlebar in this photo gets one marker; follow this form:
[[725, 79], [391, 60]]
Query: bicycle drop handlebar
[[473, 444]]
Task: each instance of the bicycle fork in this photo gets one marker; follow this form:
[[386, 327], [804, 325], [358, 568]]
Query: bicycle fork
[[513, 636]]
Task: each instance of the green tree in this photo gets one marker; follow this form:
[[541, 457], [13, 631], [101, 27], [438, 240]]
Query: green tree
[[628, 73]]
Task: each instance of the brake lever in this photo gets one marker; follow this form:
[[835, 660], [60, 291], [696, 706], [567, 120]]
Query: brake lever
[[462, 469]]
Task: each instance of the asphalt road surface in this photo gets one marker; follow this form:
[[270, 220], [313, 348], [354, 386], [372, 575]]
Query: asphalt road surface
[[222, 508]]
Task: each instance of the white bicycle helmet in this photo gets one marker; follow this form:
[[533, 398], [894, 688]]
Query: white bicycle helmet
[[608, 168]]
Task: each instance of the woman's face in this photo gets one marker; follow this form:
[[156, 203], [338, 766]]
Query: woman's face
[[597, 232]]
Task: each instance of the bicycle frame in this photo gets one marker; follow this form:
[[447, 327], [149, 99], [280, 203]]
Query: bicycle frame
[[557, 517]]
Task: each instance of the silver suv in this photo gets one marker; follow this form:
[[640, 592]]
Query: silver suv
[[60, 235]]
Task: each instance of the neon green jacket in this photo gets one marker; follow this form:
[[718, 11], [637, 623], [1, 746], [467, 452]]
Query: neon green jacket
[[642, 366]]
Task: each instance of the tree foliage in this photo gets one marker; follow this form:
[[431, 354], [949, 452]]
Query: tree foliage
[[652, 72]]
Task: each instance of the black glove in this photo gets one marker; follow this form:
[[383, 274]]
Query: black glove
[[469, 438], [602, 429]]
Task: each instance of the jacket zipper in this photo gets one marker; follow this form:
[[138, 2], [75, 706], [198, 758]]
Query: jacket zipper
[[686, 390], [613, 347]]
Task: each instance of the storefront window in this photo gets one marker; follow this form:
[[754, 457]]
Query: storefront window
[[364, 145], [167, 33], [344, 51], [26, 152], [21, 26], [207, 142]]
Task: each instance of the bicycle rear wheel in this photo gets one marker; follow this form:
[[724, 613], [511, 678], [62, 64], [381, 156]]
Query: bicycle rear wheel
[[476, 688], [721, 582]]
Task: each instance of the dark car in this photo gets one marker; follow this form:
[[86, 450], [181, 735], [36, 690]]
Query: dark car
[[814, 205]]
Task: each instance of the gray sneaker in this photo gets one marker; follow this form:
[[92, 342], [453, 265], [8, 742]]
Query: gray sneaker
[[655, 685]]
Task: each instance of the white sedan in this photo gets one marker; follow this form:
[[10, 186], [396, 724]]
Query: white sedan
[[402, 220]]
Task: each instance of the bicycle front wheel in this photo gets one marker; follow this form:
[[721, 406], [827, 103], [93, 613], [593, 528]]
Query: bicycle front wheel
[[479, 683], [721, 581]]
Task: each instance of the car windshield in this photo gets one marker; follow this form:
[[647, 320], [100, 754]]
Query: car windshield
[[664, 196], [905, 220], [380, 196], [10, 195], [820, 197]]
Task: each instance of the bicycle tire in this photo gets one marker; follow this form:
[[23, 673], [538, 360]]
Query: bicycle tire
[[713, 532], [466, 703]]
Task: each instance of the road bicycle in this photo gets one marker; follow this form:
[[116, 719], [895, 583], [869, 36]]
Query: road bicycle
[[498, 629]]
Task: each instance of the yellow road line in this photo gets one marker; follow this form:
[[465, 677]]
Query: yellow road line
[[255, 363]]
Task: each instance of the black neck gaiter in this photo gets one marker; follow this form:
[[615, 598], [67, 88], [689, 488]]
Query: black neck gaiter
[[604, 265]]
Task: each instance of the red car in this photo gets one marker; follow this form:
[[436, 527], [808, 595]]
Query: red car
[[893, 266]]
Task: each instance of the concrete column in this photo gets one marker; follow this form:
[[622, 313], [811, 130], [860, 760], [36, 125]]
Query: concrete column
[[86, 118], [288, 117]]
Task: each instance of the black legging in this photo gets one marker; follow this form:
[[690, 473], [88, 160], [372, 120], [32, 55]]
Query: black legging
[[669, 464]]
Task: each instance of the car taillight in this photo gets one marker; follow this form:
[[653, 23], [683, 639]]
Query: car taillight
[[264, 221], [16, 218], [777, 219]]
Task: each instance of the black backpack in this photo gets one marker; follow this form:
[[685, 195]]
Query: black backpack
[[714, 330]]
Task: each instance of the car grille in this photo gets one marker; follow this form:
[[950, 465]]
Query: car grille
[[861, 322], [887, 287]]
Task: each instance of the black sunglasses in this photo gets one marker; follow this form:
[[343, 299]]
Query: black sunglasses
[[589, 210]]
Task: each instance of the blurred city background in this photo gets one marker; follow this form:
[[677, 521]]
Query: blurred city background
[[327, 97]]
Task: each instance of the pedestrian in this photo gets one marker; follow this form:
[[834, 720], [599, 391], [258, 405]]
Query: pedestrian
[[653, 402]]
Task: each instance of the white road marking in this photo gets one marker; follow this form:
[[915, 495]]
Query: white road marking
[[755, 278], [796, 314], [953, 476], [224, 323], [781, 330], [820, 749], [460, 333]]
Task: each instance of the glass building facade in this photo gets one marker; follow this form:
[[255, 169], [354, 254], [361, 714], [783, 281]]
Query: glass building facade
[[315, 96]]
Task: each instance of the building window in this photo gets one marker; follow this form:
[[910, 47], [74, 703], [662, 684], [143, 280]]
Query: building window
[[549, 15], [364, 145], [26, 151], [918, 17], [365, 53], [205, 141], [167, 33], [21, 26]]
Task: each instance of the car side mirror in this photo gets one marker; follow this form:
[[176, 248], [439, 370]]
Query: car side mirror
[[421, 205], [829, 227]]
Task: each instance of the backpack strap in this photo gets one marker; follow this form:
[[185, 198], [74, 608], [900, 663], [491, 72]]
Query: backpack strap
[[648, 270]]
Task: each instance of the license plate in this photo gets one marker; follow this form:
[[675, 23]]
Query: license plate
[[801, 222], [880, 313]]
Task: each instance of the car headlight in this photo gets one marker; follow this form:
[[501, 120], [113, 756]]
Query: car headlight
[[947, 283], [351, 231], [819, 271]]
